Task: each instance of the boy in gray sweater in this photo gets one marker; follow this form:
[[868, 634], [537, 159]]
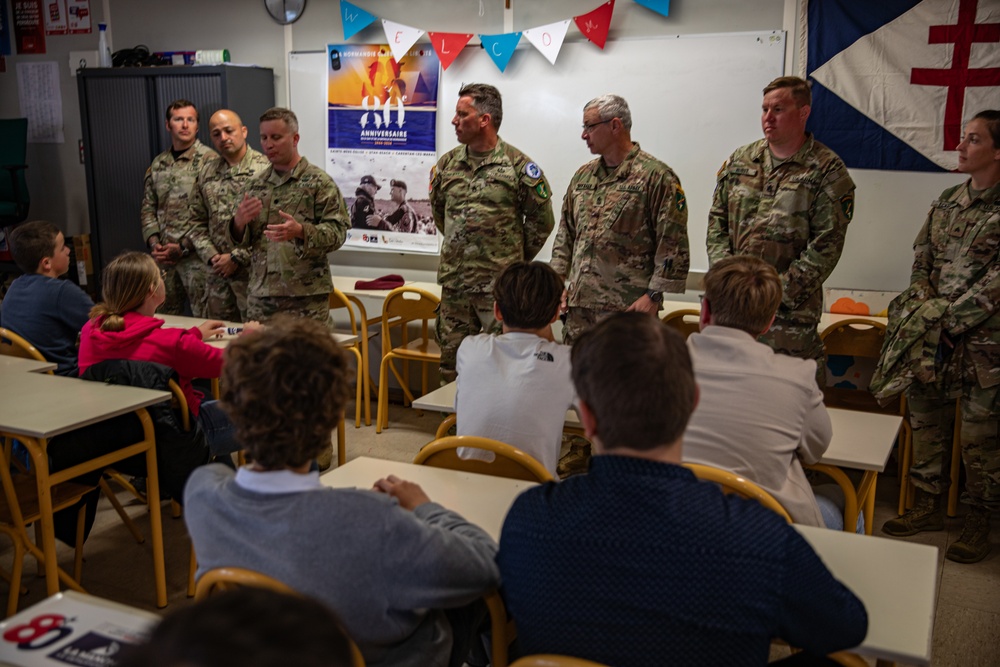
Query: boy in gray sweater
[[387, 561]]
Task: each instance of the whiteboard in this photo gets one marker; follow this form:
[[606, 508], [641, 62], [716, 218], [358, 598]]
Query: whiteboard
[[694, 99]]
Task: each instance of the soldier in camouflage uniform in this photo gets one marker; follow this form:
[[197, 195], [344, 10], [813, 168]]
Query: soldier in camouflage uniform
[[291, 216], [403, 219], [955, 291], [166, 215], [217, 193], [622, 239], [786, 199], [493, 206]]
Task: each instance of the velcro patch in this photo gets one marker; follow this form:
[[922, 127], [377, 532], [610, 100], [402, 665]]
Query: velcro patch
[[533, 170], [847, 206], [680, 200]]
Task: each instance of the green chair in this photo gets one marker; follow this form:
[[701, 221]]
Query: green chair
[[14, 199]]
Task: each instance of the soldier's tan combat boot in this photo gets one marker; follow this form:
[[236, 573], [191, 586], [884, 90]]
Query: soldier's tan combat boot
[[974, 543], [926, 514]]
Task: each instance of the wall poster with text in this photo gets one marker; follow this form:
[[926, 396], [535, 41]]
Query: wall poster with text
[[382, 143]]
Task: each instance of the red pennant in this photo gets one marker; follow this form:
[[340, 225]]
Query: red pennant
[[448, 45], [595, 25]]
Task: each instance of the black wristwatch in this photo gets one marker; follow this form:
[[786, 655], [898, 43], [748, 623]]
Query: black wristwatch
[[654, 296]]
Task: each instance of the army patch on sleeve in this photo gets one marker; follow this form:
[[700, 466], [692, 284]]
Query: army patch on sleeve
[[533, 170], [847, 206], [542, 191], [430, 181], [718, 174], [679, 199]]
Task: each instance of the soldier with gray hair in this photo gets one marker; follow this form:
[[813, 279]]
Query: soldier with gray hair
[[943, 344], [787, 199], [493, 206], [622, 238]]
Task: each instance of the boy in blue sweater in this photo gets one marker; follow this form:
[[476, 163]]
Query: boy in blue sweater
[[39, 307]]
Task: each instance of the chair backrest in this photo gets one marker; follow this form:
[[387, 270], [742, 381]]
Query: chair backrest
[[13, 345], [339, 300], [686, 322], [741, 486], [407, 304], [221, 579], [509, 461], [550, 660], [861, 339]]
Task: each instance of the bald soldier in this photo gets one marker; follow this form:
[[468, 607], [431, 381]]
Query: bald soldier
[[787, 199], [218, 190]]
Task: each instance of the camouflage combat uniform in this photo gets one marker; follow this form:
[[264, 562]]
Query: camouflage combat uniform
[[492, 212], [793, 214], [293, 276], [623, 232], [218, 192], [956, 263], [403, 219], [167, 195]]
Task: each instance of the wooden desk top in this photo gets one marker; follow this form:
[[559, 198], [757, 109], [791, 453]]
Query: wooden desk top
[[861, 440], [9, 364], [184, 322], [482, 499], [44, 406]]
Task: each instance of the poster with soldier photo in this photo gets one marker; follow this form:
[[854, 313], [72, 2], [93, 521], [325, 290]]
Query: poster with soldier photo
[[382, 119]]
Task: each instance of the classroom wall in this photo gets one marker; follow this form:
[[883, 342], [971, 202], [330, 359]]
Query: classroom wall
[[890, 206]]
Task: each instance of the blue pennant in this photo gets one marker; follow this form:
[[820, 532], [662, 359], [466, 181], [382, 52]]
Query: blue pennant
[[354, 18], [501, 47], [658, 6]]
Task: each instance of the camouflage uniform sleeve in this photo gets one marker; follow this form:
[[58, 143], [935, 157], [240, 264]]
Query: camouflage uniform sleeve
[[718, 241], [241, 256], [562, 249], [330, 232], [198, 233], [536, 207], [147, 214], [832, 211], [923, 261], [673, 257], [437, 201]]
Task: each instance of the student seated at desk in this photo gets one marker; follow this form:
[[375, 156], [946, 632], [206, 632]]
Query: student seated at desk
[[402, 572], [45, 311], [124, 326], [637, 563], [516, 387], [761, 413]]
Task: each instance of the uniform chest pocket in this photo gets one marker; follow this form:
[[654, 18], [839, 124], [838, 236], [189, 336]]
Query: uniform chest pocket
[[984, 244], [297, 203], [795, 195], [625, 211]]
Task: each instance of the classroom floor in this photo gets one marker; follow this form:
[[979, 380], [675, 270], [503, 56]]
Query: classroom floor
[[966, 630]]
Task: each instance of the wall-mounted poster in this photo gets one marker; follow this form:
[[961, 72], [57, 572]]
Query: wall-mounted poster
[[382, 144]]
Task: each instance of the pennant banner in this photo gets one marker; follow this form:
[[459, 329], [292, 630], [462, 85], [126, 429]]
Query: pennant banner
[[595, 25], [400, 37], [354, 18], [548, 38], [658, 6], [501, 47], [448, 45]]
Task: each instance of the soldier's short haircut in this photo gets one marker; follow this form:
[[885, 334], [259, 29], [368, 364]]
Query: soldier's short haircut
[[611, 106], [528, 295], [992, 118], [485, 100], [32, 242], [800, 88], [743, 293], [285, 388], [281, 113], [635, 375], [125, 283], [181, 104]]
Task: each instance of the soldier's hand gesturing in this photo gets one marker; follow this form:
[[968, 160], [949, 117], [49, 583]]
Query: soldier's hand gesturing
[[249, 208], [287, 230]]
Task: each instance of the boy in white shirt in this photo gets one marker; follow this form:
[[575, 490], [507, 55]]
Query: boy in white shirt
[[516, 387]]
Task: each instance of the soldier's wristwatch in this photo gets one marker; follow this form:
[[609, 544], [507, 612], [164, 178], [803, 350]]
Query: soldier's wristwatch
[[654, 296]]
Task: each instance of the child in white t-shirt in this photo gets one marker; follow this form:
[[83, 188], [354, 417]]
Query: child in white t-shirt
[[516, 387]]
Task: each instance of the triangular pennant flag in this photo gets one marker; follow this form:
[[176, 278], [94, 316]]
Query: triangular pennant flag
[[501, 47], [548, 38], [595, 25], [354, 18], [658, 6], [448, 45], [400, 37]]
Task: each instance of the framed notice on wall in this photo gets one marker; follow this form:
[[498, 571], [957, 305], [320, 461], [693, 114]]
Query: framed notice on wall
[[381, 120]]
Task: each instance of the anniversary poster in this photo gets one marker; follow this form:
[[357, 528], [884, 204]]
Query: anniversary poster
[[382, 119]]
